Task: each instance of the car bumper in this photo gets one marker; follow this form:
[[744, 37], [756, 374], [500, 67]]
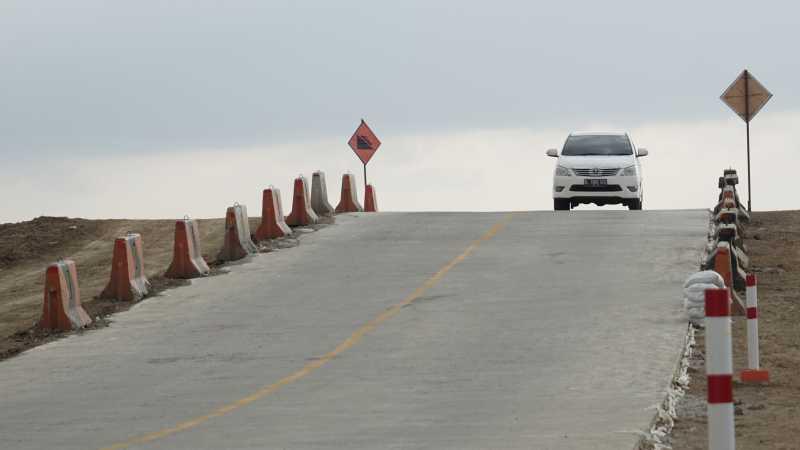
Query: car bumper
[[621, 188]]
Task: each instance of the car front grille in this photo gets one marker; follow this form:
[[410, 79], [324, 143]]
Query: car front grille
[[587, 188], [595, 172]]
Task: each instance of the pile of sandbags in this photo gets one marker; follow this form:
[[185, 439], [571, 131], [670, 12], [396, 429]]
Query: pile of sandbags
[[694, 293]]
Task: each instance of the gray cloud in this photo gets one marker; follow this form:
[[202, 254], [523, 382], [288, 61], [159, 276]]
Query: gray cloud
[[95, 77]]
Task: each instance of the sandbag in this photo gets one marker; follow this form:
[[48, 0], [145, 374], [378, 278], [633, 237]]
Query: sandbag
[[696, 293], [705, 277], [695, 314]]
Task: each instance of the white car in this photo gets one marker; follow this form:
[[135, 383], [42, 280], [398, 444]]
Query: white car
[[600, 168]]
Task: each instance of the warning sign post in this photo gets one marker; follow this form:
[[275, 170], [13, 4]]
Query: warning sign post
[[364, 143], [746, 96]]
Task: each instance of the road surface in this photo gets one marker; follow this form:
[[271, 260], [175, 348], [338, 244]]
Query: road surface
[[392, 330]]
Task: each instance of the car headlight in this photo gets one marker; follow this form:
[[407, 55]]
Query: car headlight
[[629, 171], [562, 171]]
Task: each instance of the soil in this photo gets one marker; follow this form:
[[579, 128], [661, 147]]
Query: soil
[[27, 248], [767, 416]]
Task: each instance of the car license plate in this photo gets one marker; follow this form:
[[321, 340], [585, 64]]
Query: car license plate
[[595, 182]]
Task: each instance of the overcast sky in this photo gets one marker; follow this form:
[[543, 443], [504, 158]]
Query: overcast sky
[[90, 84]]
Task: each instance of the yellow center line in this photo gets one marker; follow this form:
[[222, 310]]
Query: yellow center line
[[319, 362]]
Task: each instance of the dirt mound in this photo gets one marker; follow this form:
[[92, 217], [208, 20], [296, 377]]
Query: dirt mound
[[28, 241]]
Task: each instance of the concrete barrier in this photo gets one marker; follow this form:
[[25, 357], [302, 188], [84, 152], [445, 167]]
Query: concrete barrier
[[741, 259], [729, 192], [187, 260], [744, 216], [722, 262], [727, 215], [729, 232], [730, 177], [238, 242], [319, 195], [727, 199], [370, 199], [62, 308], [273, 225], [128, 281], [739, 275], [349, 199], [728, 183], [302, 214], [719, 370]]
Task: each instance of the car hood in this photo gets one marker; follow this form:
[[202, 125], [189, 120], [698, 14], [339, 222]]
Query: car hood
[[600, 162]]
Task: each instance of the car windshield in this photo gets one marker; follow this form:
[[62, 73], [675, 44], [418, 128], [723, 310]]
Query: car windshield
[[598, 144]]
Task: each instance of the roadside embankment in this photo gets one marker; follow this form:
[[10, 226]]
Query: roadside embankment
[[26, 248], [767, 415], [151, 255]]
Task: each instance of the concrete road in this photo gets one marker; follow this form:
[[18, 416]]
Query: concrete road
[[442, 331]]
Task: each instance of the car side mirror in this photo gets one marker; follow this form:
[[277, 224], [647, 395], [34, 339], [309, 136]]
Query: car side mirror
[[642, 152], [552, 152]]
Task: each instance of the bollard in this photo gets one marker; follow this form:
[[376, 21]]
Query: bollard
[[754, 373], [719, 370]]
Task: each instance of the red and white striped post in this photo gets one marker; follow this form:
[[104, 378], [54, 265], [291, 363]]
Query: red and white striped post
[[754, 373], [719, 370]]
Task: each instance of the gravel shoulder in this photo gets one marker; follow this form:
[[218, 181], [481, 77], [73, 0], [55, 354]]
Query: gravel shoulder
[[767, 416]]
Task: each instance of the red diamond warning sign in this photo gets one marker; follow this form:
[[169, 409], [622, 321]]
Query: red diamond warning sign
[[364, 142]]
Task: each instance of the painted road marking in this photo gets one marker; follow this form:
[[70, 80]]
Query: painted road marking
[[319, 362]]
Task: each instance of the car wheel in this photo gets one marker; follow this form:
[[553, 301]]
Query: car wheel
[[635, 205], [560, 204]]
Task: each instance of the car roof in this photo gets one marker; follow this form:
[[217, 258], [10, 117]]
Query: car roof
[[598, 133]]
